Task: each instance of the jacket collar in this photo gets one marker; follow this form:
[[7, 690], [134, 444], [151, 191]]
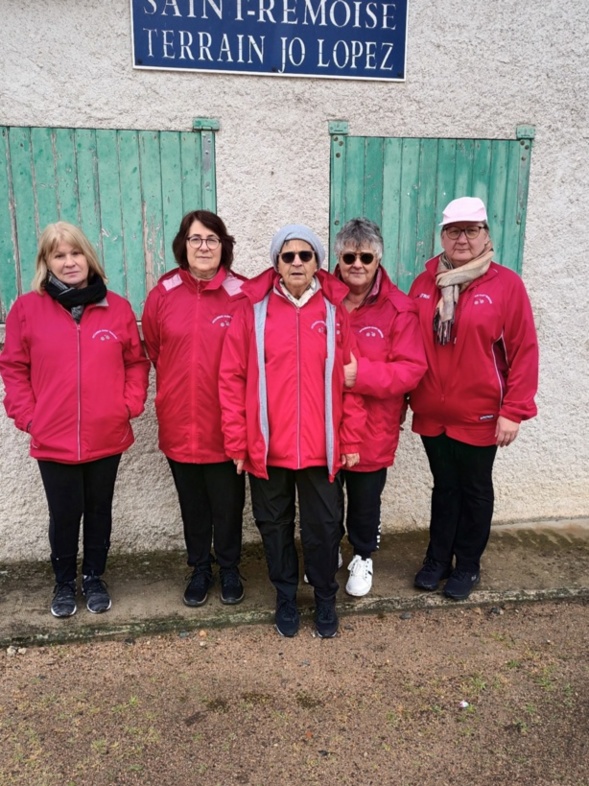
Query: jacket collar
[[257, 288], [211, 284], [431, 267]]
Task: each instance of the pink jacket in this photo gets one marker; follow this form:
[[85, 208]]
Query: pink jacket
[[184, 323], [391, 363], [292, 411], [77, 385], [490, 368]]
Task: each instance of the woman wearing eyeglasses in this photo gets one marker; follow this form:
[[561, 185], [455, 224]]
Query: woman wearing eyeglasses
[[391, 363], [482, 352], [287, 419], [185, 321]]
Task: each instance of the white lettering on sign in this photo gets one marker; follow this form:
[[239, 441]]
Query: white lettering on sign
[[341, 13], [355, 54], [293, 52], [239, 49]]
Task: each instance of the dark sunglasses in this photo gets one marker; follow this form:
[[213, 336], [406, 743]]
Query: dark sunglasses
[[366, 258], [304, 256]]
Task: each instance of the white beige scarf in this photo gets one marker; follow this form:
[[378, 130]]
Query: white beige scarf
[[452, 281]]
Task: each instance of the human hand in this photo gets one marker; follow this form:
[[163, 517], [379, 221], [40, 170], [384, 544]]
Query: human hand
[[350, 460], [238, 465], [350, 371], [506, 431]]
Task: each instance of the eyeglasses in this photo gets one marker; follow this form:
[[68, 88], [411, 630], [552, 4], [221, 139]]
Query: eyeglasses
[[289, 256], [196, 241], [471, 232], [365, 257]]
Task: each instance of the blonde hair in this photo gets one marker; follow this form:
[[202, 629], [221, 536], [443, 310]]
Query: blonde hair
[[51, 237]]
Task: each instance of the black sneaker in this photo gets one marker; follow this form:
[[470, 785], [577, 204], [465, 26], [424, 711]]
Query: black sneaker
[[197, 590], [431, 574], [286, 617], [64, 599], [231, 586], [326, 620], [97, 597], [461, 583]]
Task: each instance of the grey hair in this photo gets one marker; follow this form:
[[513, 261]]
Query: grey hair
[[359, 232]]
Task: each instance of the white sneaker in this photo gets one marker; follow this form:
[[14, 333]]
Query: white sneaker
[[340, 562], [360, 581]]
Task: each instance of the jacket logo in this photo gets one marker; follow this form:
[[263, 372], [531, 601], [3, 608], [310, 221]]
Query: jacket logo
[[224, 320], [479, 300], [487, 417], [424, 296], [105, 335], [320, 326], [370, 331]]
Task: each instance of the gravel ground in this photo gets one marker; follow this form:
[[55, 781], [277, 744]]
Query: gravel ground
[[478, 696]]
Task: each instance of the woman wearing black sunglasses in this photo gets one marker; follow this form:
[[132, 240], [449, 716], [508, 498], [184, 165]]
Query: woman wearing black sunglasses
[[391, 363], [287, 419]]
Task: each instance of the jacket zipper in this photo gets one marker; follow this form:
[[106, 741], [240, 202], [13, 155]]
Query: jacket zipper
[[194, 375], [79, 392], [298, 325]]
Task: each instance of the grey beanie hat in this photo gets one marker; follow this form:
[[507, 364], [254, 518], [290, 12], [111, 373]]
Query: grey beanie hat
[[296, 232]]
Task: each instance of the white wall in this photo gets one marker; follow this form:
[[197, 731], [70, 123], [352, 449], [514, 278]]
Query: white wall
[[474, 68]]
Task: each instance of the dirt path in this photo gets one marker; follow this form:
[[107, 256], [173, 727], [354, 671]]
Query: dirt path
[[484, 697]]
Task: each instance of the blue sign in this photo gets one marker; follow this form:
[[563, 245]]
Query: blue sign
[[342, 39]]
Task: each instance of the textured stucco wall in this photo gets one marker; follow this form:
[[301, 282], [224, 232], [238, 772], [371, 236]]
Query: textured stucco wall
[[474, 68]]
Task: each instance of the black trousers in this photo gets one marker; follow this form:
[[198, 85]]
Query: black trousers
[[462, 500], [320, 514], [211, 499], [363, 495], [75, 492]]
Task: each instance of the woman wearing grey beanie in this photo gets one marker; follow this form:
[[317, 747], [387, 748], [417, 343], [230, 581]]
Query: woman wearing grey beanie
[[287, 419]]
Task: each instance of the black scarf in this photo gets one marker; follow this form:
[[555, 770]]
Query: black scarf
[[73, 299]]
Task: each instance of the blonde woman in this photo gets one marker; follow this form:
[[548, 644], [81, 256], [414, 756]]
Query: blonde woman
[[75, 373]]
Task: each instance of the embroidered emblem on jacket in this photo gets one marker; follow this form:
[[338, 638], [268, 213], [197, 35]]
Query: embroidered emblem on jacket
[[480, 299], [105, 335], [224, 320], [371, 331]]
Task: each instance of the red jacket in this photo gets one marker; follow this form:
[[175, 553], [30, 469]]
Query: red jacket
[[282, 417], [76, 384], [184, 324], [391, 363], [491, 366]]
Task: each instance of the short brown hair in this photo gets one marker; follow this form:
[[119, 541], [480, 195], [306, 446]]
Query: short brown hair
[[215, 224]]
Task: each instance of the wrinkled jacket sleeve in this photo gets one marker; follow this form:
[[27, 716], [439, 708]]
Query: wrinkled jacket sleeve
[[353, 421], [15, 367], [233, 383], [405, 367], [136, 367], [521, 346], [151, 326]]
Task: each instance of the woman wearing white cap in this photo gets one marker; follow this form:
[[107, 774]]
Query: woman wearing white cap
[[482, 377], [287, 420]]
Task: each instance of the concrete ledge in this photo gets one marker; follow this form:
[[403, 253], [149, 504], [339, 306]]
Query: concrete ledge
[[522, 564]]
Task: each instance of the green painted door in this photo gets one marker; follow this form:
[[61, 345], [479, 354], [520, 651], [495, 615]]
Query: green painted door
[[404, 184], [127, 190]]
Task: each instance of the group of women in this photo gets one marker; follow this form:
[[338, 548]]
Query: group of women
[[297, 376]]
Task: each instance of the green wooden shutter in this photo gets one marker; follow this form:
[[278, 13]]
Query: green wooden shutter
[[404, 183], [127, 190]]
